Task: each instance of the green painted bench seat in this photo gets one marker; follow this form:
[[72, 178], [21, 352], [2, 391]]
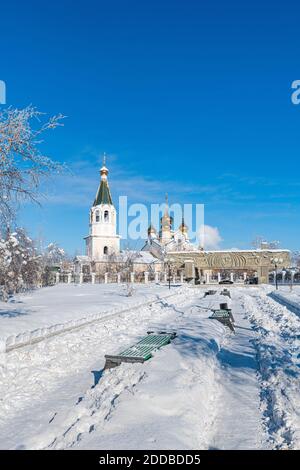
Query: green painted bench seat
[[224, 316], [141, 351]]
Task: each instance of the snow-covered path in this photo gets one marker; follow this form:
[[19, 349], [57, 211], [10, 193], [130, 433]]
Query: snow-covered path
[[207, 389], [215, 396], [277, 343], [239, 423]]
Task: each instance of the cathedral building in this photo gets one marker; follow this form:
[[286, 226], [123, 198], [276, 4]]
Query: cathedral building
[[168, 239], [207, 266], [166, 246]]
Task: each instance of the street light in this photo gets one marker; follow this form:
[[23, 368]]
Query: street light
[[275, 261], [169, 261], [293, 272]]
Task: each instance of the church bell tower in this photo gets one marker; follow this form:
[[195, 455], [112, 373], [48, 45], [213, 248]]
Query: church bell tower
[[102, 239]]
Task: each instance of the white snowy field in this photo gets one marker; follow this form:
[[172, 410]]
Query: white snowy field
[[208, 389], [51, 309]]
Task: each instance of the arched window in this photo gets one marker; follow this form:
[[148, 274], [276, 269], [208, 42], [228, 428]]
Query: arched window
[[91, 217], [105, 250], [97, 216], [106, 216]]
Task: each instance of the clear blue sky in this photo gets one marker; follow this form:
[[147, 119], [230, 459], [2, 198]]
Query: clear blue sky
[[191, 97]]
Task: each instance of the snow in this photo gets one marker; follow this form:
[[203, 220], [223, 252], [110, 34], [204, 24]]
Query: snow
[[277, 342], [52, 309], [289, 298], [208, 389], [237, 375]]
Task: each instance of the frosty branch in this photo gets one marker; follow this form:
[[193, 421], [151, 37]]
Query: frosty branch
[[22, 163]]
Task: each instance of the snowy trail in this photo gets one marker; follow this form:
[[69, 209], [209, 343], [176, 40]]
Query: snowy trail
[[214, 399], [164, 403], [207, 389], [277, 344], [239, 423]]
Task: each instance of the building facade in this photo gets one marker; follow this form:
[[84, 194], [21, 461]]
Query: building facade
[[167, 247], [174, 247]]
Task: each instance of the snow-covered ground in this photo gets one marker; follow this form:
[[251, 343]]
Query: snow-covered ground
[[290, 297], [34, 315], [277, 342], [208, 389]]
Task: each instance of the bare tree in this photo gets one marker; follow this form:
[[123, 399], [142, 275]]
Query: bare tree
[[257, 242], [261, 243], [295, 259], [274, 245], [22, 164], [128, 258], [111, 265]]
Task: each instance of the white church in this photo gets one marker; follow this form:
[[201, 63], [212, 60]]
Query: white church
[[102, 239], [103, 253]]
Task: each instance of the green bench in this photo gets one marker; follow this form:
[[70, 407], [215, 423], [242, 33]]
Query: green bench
[[225, 292], [141, 351], [224, 315], [210, 292]]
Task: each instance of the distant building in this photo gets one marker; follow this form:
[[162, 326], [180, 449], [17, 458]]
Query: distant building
[[166, 247], [168, 239], [206, 266]]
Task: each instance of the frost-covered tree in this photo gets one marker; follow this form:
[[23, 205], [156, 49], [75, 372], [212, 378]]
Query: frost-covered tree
[[295, 259], [54, 254], [261, 243], [20, 265], [22, 163]]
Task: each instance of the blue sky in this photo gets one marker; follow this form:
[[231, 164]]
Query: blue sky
[[187, 97]]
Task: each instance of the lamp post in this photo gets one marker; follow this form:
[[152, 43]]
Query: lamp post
[[170, 260], [293, 272], [275, 261]]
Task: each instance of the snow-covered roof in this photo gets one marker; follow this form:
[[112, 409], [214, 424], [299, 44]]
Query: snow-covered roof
[[237, 251], [82, 258], [247, 251], [137, 257], [145, 257], [140, 257]]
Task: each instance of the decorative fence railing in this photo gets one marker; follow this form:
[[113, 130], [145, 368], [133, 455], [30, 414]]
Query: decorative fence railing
[[106, 278], [144, 277]]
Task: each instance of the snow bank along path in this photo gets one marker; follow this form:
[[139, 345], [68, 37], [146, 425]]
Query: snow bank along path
[[288, 300], [201, 391], [277, 345], [31, 337]]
